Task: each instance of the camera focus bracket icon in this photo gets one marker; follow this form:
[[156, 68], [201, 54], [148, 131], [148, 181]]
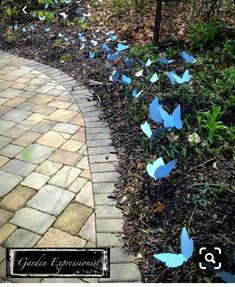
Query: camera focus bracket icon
[[210, 255]]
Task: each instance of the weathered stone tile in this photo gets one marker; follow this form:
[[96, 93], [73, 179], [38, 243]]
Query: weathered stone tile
[[5, 125], [83, 150], [11, 150], [22, 238], [51, 199], [105, 177], [5, 231], [108, 239], [52, 139], [38, 82], [36, 117], [4, 141], [73, 218], [124, 272], [27, 138], [41, 99], [2, 253], [41, 109], [65, 176], [103, 167], [80, 135], [77, 184], [61, 115], [15, 102], [109, 225], [101, 150], [41, 128], [44, 89], [88, 231], [8, 181], [103, 187], [35, 153], [66, 128], [72, 145], [58, 238], [14, 133], [5, 216], [78, 120], [35, 180], [3, 160], [17, 198], [102, 158], [103, 199], [98, 136], [85, 196], [106, 211], [26, 125], [10, 93], [59, 104], [49, 167], [16, 115], [118, 256], [83, 163], [4, 110], [33, 220], [86, 174], [99, 143], [3, 100], [19, 167], [65, 157], [62, 280]]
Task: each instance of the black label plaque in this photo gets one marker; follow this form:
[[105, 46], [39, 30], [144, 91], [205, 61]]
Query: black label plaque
[[57, 262]]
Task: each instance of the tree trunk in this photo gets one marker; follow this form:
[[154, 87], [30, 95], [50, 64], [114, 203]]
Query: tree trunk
[[157, 23]]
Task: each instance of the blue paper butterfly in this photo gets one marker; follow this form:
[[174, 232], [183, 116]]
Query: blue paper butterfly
[[82, 37], [113, 57], [152, 133], [46, 6], [112, 36], [121, 47], [164, 61], [188, 58], [94, 42], [154, 111], [174, 78], [174, 120], [114, 76], [136, 94], [24, 30], [126, 80], [42, 18], [174, 260], [159, 169], [91, 55], [47, 30], [154, 78], [106, 48]]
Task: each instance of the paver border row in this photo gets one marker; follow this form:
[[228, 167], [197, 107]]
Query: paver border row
[[102, 162]]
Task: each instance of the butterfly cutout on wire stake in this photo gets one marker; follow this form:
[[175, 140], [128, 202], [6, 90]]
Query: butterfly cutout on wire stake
[[175, 260], [174, 78], [188, 58], [158, 169]]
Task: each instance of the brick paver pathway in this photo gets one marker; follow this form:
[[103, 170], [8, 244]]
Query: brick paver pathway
[[57, 167]]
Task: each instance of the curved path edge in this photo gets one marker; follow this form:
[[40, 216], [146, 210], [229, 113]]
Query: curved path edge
[[102, 161]]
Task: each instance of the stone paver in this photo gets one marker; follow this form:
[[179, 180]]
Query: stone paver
[[57, 168], [73, 218], [58, 238], [19, 167], [17, 198], [33, 220], [51, 199], [65, 176], [22, 238]]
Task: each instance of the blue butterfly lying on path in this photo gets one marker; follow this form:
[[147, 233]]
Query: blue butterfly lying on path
[[159, 169], [174, 120], [152, 133], [174, 260], [174, 78], [188, 58]]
